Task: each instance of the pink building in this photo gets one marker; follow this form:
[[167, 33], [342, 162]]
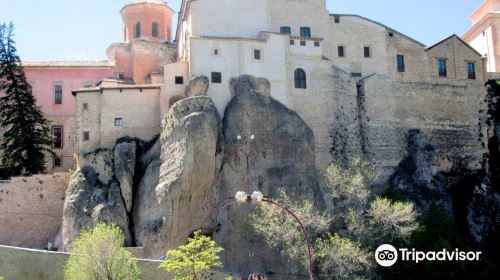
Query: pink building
[[139, 59], [52, 83], [484, 35]]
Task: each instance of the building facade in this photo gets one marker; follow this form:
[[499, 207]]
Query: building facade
[[52, 83], [320, 68], [360, 92], [484, 35]]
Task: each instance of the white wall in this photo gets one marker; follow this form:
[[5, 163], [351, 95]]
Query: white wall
[[229, 18], [236, 57]]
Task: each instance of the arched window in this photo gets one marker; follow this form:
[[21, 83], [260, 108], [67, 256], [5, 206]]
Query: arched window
[[137, 31], [300, 78], [154, 30]]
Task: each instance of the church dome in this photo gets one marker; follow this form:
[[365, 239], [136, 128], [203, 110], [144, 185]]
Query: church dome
[[147, 20]]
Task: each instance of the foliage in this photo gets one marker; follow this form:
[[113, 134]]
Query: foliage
[[438, 232], [348, 186], [383, 222], [27, 136], [341, 258], [190, 261], [282, 233], [98, 254], [344, 235]]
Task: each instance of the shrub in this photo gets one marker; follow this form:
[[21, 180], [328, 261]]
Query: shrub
[[98, 254], [191, 261], [340, 258]]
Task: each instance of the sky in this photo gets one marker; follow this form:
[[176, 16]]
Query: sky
[[83, 29]]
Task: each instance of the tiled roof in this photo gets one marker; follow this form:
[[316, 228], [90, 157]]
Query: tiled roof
[[104, 63]]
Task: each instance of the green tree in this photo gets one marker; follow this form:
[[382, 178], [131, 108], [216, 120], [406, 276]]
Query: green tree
[[190, 261], [346, 233], [98, 254], [27, 136]]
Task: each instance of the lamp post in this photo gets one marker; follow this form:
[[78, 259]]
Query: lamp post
[[257, 197]]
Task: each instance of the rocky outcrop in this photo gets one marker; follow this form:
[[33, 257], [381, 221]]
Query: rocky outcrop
[[90, 201], [174, 202], [125, 157], [197, 86], [266, 147], [417, 175]]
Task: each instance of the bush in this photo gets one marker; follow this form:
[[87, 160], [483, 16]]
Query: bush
[[340, 258], [98, 254], [191, 261]]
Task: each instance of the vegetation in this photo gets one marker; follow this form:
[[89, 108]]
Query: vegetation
[[98, 254], [27, 136], [191, 261], [346, 234]]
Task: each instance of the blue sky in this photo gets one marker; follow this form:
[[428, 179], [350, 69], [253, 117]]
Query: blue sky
[[83, 29]]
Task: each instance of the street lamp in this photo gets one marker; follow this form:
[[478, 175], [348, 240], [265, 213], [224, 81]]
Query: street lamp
[[257, 197]]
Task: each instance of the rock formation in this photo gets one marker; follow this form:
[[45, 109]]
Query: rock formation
[[125, 154], [266, 147], [197, 86], [159, 192], [171, 206], [90, 201]]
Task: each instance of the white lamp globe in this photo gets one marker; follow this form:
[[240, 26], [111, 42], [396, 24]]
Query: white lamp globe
[[241, 197], [257, 196]]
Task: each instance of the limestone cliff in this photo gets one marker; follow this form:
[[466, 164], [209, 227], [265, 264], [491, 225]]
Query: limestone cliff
[[170, 208]]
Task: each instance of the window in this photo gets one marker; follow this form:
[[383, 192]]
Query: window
[[442, 68], [154, 30], [58, 93], [216, 77], [285, 30], [302, 43], [356, 75], [337, 19], [216, 52], [316, 44], [137, 30], [367, 52], [305, 32], [300, 78], [471, 70], [118, 122], [179, 80], [85, 106], [341, 51], [292, 42], [400, 62], [86, 136], [57, 133], [57, 161], [256, 54]]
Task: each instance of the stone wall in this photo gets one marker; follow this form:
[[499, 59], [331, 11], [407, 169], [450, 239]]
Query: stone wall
[[447, 114], [26, 264], [31, 209]]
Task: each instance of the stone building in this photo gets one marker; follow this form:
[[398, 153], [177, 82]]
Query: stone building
[[485, 32], [316, 65], [359, 91]]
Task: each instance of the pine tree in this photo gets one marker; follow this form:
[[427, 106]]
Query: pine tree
[[27, 132]]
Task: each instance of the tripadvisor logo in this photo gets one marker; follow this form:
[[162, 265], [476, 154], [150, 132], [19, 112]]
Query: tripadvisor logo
[[386, 255]]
